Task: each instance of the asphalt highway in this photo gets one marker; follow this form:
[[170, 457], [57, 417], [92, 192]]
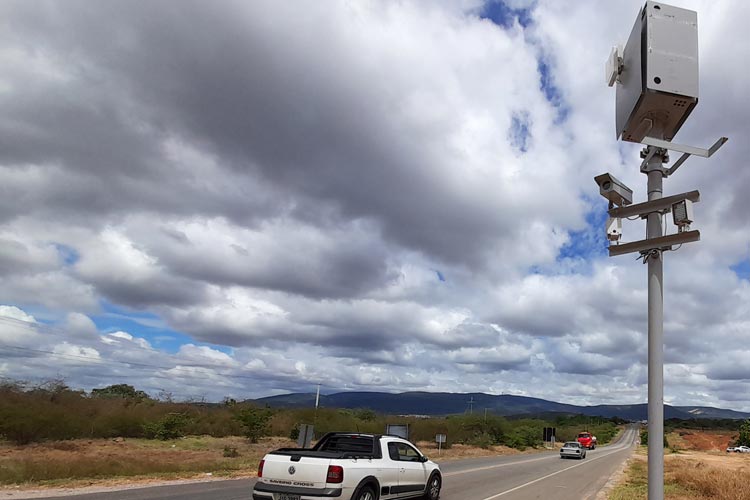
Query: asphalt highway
[[524, 477]]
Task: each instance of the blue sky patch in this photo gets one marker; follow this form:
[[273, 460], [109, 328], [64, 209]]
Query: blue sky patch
[[590, 242], [504, 16], [519, 133], [551, 92], [147, 326], [742, 269], [67, 254]]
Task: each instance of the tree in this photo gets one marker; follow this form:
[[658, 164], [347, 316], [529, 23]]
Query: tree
[[124, 391], [744, 439], [254, 422]]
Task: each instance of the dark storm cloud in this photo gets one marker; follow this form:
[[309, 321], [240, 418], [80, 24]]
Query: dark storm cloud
[[261, 103], [343, 262], [157, 291]]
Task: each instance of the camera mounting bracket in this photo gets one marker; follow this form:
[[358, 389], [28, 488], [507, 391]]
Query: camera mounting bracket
[[680, 148]]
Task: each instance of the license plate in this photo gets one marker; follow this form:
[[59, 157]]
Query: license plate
[[288, 496]]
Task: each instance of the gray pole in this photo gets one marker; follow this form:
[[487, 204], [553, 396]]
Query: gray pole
[[655, 174]]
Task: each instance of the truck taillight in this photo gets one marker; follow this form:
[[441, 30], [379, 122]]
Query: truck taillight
[[335, 474], [260, 468]]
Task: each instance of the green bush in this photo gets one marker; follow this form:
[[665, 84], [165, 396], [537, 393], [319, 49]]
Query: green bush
[[294, 433], [171, 426], [254, 422]]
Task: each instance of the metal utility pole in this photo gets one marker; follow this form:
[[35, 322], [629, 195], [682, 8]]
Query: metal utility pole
[[656, 78], [655, 172]]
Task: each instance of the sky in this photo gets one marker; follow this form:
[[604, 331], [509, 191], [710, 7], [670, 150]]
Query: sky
[[242, 199]]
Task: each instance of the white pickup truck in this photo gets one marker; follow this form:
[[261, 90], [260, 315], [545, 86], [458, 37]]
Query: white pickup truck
[[349, 466]]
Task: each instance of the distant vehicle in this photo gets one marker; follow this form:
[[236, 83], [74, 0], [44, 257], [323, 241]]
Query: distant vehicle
[[349, 466], [573, 449], [587, 440], [731, 449], [742, 449]]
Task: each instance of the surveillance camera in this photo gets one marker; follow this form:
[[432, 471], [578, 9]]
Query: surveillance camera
[[614, 190], [614, 229]]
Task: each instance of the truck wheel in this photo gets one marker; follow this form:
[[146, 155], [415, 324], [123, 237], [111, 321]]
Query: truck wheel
[[366, 493], [433, 488]]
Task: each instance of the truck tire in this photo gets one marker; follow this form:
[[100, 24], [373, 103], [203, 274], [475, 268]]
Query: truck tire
[[432, 491], [365, 493]]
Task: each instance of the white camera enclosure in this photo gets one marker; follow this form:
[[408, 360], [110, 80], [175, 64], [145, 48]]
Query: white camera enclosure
[[614, 190], [658, 86], [614, 229], [682, 213]]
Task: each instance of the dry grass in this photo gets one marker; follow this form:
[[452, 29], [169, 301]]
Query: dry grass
[[690, 476], [87, 461], [115, 461], [459, 451], [706, 481]]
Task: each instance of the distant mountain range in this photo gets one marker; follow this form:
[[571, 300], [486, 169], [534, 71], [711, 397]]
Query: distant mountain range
[[447, 403]]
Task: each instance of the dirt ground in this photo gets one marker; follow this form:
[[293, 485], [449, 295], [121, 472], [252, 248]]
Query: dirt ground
[[204, 455], [697, 467], [194, 458], [459, 451], [696, 440]]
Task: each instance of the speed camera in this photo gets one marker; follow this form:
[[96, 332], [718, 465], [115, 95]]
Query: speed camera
[[657, 83]]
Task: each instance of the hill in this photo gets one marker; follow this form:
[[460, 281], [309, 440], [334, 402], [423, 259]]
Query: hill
[[447, 403]]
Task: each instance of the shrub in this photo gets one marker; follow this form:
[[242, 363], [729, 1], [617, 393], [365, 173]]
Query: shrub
[[254, 422], [171, 426]]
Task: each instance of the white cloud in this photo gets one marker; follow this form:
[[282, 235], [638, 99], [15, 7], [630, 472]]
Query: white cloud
[[16, 313], [380, 202]]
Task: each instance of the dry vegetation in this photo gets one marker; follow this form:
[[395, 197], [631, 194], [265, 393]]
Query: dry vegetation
[[85, 461], [114, 461], [53, 435], [697, 469]]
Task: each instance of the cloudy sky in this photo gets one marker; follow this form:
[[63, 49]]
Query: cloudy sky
[[240, 199]]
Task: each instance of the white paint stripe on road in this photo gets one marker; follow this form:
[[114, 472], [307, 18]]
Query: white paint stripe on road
[[497, 466], [554, 474]]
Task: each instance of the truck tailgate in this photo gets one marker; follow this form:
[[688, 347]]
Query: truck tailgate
[[307, 472]]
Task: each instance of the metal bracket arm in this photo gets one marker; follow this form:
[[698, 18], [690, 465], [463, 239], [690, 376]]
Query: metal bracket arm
[[661, 242], [652, 206], [685, 150]]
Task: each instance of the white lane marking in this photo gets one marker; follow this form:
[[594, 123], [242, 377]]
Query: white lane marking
[[497, 466], [555, 473]]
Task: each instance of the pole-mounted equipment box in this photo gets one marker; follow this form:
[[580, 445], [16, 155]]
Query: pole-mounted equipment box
[[657, 85]]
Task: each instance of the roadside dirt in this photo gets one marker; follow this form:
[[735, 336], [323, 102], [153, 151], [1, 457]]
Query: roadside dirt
[[459, 451], [193, 459], [194, 450], [696, 440]]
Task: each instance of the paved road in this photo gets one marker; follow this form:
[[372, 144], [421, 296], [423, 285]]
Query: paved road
[[526, 477], [541, 476]]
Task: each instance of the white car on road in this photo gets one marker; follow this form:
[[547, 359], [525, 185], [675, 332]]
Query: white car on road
[[349, 466], [573, 449]]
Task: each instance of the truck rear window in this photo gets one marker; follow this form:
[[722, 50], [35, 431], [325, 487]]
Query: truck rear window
[[351, 444]]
